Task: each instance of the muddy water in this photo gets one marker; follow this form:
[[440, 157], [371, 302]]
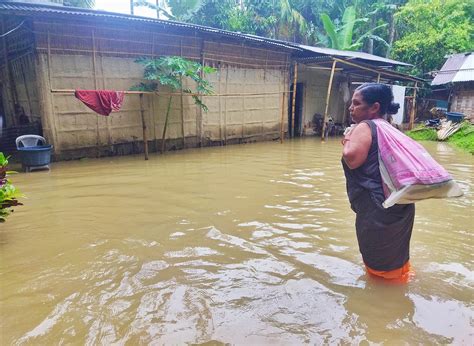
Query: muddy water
[[250, 244]]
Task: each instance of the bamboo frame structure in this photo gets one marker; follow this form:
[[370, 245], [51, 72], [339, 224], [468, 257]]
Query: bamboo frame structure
[[328, 98]]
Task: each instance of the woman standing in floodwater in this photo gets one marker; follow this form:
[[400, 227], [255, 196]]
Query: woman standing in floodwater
[[383, 234]]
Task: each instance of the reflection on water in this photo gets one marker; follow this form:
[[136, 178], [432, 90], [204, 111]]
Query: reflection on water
[[242, 244]]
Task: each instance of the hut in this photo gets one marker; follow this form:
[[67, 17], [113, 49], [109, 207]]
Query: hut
[[48, 52], [454, 84]]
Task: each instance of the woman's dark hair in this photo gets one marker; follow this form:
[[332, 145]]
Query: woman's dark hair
[[381, 93]]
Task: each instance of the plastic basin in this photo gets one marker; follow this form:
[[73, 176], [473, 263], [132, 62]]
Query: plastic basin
[[455, 116], [36, 156]]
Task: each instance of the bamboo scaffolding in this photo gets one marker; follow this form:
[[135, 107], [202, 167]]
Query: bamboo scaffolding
[[328, 98]]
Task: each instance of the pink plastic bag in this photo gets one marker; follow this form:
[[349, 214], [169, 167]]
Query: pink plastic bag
[[409, 173]]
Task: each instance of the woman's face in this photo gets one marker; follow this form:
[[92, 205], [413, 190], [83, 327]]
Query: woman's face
[[361, 110]]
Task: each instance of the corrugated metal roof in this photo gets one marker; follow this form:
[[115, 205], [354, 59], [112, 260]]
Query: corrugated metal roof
[[351, 54], [54, 10], [458, 68]]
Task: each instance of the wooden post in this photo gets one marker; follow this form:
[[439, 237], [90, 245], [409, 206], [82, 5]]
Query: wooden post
[[201, 125], [293, 106], [328, 98], [26, 86], [182, 99], [378, 78], [95, 87], [163, 138], [282, 119], [11, 85], [413, 108], [225, 106], [145, 137]]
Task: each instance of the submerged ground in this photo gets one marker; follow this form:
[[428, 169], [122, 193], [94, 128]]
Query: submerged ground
[[240, 244]]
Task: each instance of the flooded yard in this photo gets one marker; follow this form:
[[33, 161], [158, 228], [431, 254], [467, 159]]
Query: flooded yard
[[249, 244]]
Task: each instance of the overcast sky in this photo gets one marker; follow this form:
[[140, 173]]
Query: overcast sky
[[123, 6]]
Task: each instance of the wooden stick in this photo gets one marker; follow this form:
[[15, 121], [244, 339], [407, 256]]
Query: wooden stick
[[293, 106], [328, 97], [182, 101], [378, 78], [373, 70], [145, 137], [11, 85], [163, 139], [413, 109], [26, 87], [225, 107], [132, 92], [95, 87], [282, 114]]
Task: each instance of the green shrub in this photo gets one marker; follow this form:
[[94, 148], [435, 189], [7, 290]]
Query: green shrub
[[8, 193]]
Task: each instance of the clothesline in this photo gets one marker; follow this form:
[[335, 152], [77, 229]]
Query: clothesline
[[133, 92]]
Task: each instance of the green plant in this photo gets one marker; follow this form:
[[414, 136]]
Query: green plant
[[8, 193], [341, 36], [172, 71]]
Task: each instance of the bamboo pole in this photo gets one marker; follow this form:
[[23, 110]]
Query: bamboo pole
[[282, 113], [11, 84], [145, 137], [131, 92], [163, 138], [328, 97], [95, 87], [182, 99], [373, 70], [28, 98], [225, 107], [293, 106], [413, 109]]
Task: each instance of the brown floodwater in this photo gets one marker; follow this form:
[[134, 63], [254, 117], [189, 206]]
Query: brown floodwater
[[249, 244]]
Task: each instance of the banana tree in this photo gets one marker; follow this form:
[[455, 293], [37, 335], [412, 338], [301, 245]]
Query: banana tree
[[172, 71], [341, 37]]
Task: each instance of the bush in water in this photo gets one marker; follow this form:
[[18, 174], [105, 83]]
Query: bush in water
[[8, 193]]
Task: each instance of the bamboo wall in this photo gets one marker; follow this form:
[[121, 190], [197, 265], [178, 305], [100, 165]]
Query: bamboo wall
[[247, 104]]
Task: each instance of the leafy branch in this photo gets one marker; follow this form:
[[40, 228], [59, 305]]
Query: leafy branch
[[172, 71]]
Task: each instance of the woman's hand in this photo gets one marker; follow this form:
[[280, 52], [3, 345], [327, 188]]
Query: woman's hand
[[356, 146]]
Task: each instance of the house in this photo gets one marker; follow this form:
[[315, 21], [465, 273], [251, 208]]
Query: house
[[48, 52], [454, 83]]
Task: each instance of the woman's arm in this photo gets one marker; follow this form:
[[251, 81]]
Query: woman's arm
[[356, 146]]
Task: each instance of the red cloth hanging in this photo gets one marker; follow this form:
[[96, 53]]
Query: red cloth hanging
[[101, 101]]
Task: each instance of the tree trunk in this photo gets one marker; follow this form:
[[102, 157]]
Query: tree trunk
[[391, 35]]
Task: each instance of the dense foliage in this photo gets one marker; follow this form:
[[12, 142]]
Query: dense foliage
[[420, 32], [8, 193], [430, 30]]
